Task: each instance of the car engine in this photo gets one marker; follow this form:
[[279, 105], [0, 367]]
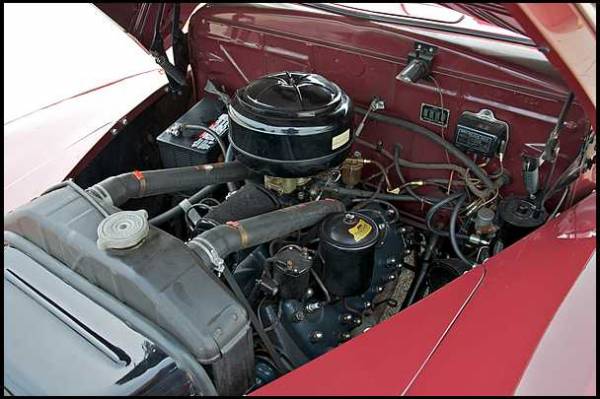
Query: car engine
[[294, 243]]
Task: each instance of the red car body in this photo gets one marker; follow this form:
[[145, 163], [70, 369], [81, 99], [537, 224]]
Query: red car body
[[521, 323]]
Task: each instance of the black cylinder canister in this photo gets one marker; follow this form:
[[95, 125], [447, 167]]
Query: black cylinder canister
[[519, 217], [347, 247], [290, 124]]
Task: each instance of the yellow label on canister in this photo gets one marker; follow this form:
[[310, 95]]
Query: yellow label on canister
[[360, 230]]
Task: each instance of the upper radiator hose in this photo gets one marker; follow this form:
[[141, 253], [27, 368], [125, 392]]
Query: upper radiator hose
[[117, 190], [215, 244]]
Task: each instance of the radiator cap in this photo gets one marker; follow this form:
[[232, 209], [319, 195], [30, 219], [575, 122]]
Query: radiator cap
[[123, 230]]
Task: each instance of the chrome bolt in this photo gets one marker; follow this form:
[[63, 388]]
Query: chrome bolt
[[345, 336], [316, 336], [312, 307], [346, 318], [298, 316]]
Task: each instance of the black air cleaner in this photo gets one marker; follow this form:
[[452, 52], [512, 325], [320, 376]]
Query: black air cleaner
[[291, 124]]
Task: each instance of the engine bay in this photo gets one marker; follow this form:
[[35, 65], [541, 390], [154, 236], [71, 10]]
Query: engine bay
[[285, 225]]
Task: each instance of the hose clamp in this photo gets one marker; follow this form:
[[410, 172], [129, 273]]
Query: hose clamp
[[241, 231], [139, 175], [211, 253]]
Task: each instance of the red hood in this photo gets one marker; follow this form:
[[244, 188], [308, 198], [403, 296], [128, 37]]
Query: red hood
[[138, 18], [535, 21], [494, 13]]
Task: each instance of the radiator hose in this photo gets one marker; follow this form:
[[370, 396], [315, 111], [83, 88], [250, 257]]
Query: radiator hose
[[234, 236], [117, 190]]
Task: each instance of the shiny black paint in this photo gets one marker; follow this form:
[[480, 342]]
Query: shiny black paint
[[291, 124]]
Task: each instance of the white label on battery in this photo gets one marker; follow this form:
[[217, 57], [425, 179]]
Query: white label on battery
[[340, 139]]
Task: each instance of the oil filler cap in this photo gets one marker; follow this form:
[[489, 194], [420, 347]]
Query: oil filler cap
[[123, 230]]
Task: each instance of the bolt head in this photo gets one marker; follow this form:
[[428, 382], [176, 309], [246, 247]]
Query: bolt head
[[298, 316], [316, 336]]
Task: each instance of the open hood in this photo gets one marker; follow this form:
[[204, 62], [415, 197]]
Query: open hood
[[536, 21], [494, 13], [157, 27], [138, 19]]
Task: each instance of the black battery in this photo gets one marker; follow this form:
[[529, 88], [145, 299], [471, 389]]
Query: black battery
[[183, 145]]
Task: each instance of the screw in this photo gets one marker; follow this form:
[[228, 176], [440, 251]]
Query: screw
[[316, 336], [124, 121], [379, 289], [349, 218], [345, 336], [391, 261], [358, 321], [114, 131], [298, 316], [346, 318], [367, 305], [312, 307]]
